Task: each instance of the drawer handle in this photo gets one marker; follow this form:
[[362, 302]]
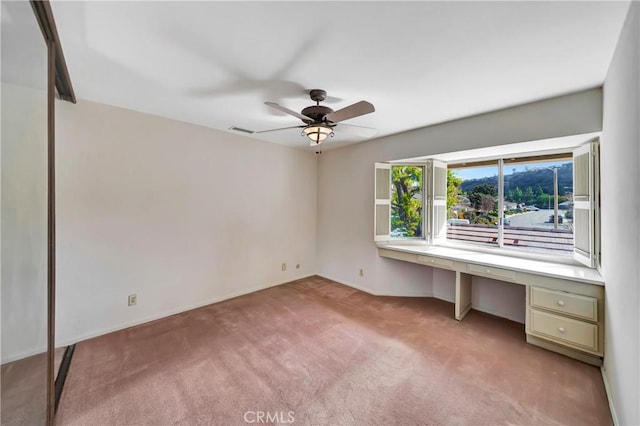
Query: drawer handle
[[488, 271], [432, 260], [561, 329], [560, 303]]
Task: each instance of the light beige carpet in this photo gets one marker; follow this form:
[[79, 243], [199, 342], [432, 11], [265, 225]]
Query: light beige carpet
[[318, 352], [23, 389]]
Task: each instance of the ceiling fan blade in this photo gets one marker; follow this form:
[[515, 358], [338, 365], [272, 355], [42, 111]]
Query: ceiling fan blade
[[363, 131], [352, 111], [281, 128], [288, 111]]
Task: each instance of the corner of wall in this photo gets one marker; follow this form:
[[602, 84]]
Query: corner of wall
[[607, 389], [620, 178]]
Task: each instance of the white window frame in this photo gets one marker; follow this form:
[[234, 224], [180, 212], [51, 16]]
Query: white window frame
[[430, 202], [382, 202], [588, 200], [437, 200], [387, 201]]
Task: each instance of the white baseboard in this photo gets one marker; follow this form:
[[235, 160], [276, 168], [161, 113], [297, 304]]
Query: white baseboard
[[419, 294], [21, 355], [357, 287], [446, 299], [607, 389], [495, 313], [79, 338], [375, 293]]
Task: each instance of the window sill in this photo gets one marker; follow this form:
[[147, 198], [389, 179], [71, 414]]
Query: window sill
[[565, 271]]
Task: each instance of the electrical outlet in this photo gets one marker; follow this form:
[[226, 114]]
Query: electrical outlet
[[362, 272], [284, 266], [297, 266], [133, 299]]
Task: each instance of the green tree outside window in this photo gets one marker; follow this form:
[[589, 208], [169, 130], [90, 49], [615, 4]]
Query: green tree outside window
[[406, 201]]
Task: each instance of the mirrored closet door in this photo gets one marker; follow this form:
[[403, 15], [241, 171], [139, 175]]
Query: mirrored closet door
[[24, 314]]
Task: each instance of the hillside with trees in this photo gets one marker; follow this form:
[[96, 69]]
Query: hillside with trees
[[528, 178], [528, 187]]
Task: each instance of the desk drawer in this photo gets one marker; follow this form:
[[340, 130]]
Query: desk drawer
[[489, 271], [564, 329], [436, 261], [570, 304]]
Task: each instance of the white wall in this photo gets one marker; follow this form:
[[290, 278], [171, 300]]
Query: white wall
[[345, 196], [491, 296], [24, 222], [179, 214], [620, 159]]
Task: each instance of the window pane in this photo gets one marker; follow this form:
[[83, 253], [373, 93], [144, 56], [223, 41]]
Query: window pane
[[406, 201], [529, 200], [472, 204]]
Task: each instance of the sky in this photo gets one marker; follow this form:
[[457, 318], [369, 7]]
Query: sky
[[481, 172]]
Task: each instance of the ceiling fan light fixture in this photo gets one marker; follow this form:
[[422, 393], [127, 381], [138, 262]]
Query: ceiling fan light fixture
[[317, 133]]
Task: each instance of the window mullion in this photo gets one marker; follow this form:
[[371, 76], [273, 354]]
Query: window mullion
[[500, 203], [426, 204]]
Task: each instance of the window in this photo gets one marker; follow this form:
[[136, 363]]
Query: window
[[472, 203], [406, 201], [534, 190], [544, 204]]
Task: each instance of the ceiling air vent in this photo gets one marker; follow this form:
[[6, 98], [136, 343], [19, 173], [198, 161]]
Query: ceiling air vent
[[240, 129]]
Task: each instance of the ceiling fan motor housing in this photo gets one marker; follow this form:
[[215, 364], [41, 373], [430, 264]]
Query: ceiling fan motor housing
[[316, 112]]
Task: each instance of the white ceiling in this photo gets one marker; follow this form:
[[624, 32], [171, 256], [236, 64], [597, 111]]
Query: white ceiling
[[419, 63]]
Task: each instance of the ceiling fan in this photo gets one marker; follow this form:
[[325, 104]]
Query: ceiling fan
[[319, 120]]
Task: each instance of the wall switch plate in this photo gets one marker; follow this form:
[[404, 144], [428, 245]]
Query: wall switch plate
[[133, 299], [362, 272], [284, 266], [297, 266]]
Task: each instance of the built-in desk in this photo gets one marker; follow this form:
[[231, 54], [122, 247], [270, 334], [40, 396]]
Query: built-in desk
[[565, 303]]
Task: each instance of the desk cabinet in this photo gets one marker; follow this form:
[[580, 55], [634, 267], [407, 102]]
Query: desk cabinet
[[567, 320], [564, 312]]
